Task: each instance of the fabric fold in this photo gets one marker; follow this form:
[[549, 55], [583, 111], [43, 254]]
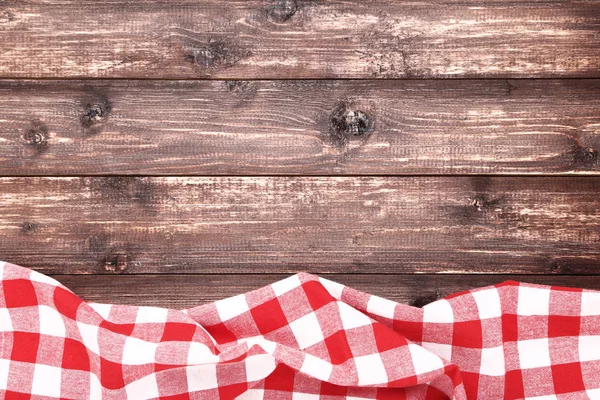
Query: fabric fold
[[304, 337]]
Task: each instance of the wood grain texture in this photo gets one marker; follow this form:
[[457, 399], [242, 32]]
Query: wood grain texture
[[299, 39], [185, 291], [503, 225], [299, 127]]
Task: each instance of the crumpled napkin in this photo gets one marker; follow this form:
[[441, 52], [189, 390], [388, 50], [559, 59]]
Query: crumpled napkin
[[303, 337]]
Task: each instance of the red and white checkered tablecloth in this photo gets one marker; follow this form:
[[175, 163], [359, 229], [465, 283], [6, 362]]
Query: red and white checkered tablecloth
[[301, 338]]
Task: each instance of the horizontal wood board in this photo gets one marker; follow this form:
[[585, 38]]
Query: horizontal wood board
[[501, 225], [299, 39], [299, 127], [186, 291]]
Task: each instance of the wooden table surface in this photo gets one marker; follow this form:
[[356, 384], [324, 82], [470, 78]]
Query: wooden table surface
[[171, 153]]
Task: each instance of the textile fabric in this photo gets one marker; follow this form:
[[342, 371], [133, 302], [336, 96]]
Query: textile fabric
[[304, 338]]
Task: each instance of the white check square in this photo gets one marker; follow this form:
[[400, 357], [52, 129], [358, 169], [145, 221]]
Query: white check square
[[316, 367], [286, 285], [252, 394], [201, 377], [89, 336], [259, 366], [39, 277], [589, 348], [439, 311], [351, 317], [370, 370], [382, 307], [4, 366], [534, 353], [5, 320], [232, 307], [151, 315], [95, 388], [423, 360], [102, 309], [144, 388], [593, 393], [533, 301], [335, 289], [492, 362], [307, 331], [590, 304], [46, 381], [488, 303], [199, 353], [51, 322], [138, 352]]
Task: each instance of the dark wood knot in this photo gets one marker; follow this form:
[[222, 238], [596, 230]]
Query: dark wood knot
[[116, 262], [237, 86], [585, 155], [93, 114], [559, 267], [346, 122], [244, 90], [281, 10], [28, 227], [579, 155], [7, 17], [217, 53], [37, 136], [478, 203], [34, 137], [357, 123]]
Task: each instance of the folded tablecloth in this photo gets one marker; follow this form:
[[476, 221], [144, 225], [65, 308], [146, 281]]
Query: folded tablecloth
[[304, 338]]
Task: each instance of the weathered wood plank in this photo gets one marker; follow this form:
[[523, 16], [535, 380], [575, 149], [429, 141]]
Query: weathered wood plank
[[299, 127], [299, 39], [185, 291], [502, 225]]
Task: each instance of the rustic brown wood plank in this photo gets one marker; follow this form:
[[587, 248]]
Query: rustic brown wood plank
[[185, 291], [502, 225], [299, 127], [299, 39]]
